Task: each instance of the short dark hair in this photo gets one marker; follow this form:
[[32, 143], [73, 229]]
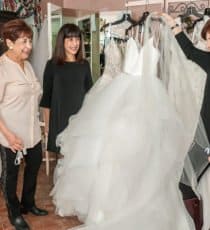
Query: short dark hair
[[205, 29], [13, 30], [68, 30]]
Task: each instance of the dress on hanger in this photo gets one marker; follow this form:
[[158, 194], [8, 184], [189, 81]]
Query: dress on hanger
[[40, 52], [118, 31], [113, 67], [204, 184], [95, 114], [124, 152]]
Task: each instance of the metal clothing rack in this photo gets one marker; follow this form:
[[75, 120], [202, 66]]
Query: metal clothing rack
[[181, 8], [172, 7], [146, 3]]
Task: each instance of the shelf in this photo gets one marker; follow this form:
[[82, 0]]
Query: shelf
[[85, 26]]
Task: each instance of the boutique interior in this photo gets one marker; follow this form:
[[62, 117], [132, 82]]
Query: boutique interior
[[95, 18]]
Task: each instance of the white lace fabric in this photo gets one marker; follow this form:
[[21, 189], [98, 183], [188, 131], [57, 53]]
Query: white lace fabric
[[113, 59], [118, 30]]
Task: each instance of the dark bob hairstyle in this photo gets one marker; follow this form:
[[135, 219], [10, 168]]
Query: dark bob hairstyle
[[68, 30], [15, 29], [205, 29]]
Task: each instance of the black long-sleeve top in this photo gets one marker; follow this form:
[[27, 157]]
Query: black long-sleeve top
[[202, 58], [64, 88]]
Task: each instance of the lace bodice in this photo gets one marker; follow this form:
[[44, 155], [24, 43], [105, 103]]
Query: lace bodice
[[113, 57], [118, 30]]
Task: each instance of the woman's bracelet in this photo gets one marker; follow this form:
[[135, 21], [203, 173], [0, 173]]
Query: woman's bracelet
[[173, 27]]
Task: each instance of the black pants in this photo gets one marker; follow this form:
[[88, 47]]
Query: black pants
[[9, 178]]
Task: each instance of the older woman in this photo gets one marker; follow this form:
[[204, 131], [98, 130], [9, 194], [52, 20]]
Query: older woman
[[19, 123]]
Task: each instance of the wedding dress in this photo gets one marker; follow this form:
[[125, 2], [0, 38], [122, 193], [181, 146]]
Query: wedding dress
[[203, 188], [113, 67], [117, 31], [95, 115], [124, 153]]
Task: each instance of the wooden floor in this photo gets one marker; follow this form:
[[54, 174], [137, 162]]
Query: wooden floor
[[43, 200]]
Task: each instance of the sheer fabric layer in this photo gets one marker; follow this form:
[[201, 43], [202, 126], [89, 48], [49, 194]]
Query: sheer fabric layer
[[124, 151]]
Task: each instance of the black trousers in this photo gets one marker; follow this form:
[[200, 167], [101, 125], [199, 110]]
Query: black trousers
[[9, 178]]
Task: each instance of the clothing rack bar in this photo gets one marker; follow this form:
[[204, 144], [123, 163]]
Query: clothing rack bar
[[142, 2], [134, 3]]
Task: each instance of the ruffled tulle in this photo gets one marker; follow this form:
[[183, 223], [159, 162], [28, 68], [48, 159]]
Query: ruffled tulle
[[124, 154]]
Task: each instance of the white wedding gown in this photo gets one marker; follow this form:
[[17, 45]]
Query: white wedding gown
[[124, 153]]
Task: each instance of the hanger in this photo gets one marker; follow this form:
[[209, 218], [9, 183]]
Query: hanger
[[140, 22], [143, 17], [207, 12], [125, 17], [145, 14], [201, 17], [189, 12]]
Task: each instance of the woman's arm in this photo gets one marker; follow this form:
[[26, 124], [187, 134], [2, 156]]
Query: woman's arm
[[47, 85], [191, 52], [88, 78], [46, 116], [47, 94], [176, 29], [185, 44]]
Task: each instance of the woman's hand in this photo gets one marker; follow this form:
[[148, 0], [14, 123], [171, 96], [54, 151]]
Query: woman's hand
[[172, 23], [15, 143], [46, 129], [169, 20]]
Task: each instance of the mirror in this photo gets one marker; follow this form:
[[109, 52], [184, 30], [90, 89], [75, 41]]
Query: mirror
[[54, 17]]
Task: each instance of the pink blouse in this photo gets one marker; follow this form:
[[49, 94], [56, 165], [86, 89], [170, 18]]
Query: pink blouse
[[20, 92]]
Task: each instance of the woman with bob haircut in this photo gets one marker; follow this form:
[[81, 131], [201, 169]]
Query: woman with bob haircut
[[20, 134], [67, 78]]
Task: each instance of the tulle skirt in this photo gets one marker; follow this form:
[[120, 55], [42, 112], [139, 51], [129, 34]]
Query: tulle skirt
[[123, 158]]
